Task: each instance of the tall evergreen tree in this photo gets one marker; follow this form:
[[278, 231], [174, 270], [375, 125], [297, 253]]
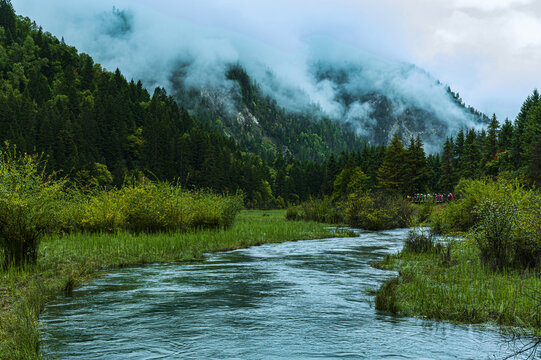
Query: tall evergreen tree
[[517, 149], [392, 171], [490, 148], [471, 156], [448, 171], [416, 174], [458, 150]]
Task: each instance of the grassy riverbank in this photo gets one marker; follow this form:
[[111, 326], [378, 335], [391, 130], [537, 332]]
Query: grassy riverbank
[[492, 275], [66, 262], [454, 285]]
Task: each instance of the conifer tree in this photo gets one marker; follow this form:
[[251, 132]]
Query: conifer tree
[[458, 150], [471, 156], [506, 136], [416, 174], [518, 149], [391, 172], [490, 148], [448, 172]]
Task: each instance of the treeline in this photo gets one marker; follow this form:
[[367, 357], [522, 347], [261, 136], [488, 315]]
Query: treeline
[[513, 149], [502, 148]]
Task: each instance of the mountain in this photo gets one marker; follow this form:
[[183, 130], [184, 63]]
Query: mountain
[[264, 121], [321, 98]]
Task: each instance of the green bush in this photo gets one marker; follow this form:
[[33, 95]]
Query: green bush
[[378, 211], [30, 202], [495, 232], [152, 207], [320, 210], [460, 215], [503, 217], [293, 213]]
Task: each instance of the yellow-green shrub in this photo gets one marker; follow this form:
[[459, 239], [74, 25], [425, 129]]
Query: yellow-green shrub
[[152, 207], [320, 210], [378, 211], [503, 217], [29, 203]]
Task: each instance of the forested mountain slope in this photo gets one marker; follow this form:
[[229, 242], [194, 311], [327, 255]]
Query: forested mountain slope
[[94, 125]]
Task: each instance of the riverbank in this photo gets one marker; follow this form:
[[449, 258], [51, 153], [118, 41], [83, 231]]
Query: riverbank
[[452, 284], [66, 262]]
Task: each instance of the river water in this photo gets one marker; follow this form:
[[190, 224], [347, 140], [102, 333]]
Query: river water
[[295, 300]]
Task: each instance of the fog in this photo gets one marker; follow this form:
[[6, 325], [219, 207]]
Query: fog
[[300, 61]]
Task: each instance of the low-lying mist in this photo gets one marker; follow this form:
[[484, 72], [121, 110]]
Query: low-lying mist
[[337, 80]]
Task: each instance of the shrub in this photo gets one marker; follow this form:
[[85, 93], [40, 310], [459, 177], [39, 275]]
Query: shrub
[[153, 207], [30, 201], [320, 210], [495, 232], [460, 215], [378, 211], [100, 211], [293, 213], [502, 217]]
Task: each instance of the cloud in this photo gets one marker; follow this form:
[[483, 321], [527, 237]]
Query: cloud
[[487, 49]]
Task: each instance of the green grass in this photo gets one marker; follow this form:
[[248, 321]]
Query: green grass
[[66, 262], [457, 287]]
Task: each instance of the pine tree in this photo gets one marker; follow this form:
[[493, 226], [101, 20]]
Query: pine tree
[[490, 148], [458, 150], [471, 156], [391, 172], [448, 171], [518, 149], [416, 171], [506, 136]]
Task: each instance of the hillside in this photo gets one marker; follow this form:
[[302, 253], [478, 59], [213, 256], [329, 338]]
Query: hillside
[[97, 128]]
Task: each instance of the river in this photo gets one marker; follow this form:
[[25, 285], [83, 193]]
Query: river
[[295, 300]]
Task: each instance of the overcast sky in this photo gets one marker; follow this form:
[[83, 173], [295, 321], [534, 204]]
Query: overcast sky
[[488, 50]]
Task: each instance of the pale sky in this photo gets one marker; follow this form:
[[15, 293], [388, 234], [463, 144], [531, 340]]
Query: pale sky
[[487, 50]]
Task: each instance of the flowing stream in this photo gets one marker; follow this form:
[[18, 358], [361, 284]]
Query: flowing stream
[[295, 300]]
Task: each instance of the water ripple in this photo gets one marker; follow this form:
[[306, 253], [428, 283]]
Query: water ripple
[[296, 300]]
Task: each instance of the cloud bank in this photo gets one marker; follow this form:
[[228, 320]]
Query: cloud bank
[[282, 43]]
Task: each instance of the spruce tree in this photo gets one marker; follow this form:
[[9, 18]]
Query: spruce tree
[[458, 150], [448, 171], [490, 148], [416, 172], [391, 172], [471, 156]]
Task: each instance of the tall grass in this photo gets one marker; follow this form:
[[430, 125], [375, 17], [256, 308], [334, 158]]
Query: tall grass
[[150, 207], [65, 261], [463, 290]]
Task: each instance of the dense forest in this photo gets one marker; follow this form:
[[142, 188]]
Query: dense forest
[[98, 129]]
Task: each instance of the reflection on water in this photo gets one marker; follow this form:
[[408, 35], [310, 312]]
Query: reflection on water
[[294, 300]]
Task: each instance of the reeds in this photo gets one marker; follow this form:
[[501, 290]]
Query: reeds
[[458, 287]]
